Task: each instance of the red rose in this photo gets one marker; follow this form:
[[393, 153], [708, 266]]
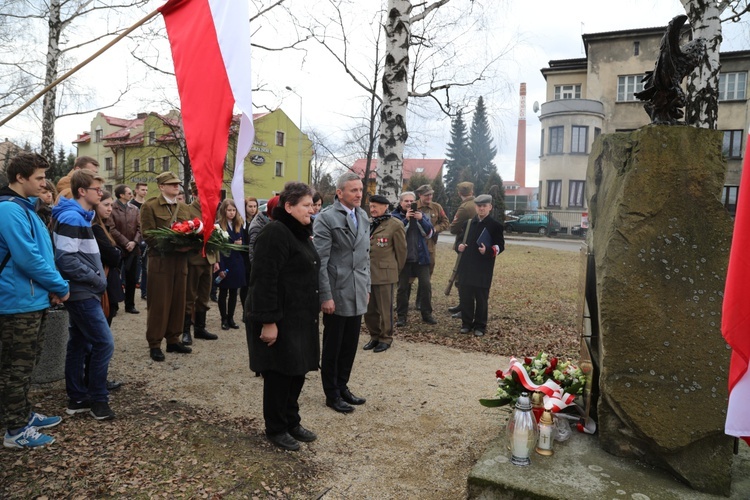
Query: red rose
[[553, 363], [527, 361], [548, 370], [499, 374]]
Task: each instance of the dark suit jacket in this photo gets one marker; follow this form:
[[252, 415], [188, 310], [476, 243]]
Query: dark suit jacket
[[476, 269]]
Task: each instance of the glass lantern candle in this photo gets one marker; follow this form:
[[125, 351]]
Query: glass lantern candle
[[546, 434], [522, 431]]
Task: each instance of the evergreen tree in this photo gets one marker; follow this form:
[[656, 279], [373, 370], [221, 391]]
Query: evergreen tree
[[458, 159], [440, 196], [494, 187], [482, 150], [57, 168], [415, 181]]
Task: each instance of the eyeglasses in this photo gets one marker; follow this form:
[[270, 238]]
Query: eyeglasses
[[98, 190]]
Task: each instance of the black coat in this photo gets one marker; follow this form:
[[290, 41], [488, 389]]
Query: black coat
[[111, 256], [284, 290], [476, 269]]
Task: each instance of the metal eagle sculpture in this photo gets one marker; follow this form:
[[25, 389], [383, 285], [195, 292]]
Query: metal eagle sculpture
[[662, 91]]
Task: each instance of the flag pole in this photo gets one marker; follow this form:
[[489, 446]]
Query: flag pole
[[79, 66]]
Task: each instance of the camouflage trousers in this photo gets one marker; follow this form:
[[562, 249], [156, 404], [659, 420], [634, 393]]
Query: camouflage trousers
[[22, 339]]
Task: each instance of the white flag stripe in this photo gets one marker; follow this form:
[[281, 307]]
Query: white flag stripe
[[738, 422]]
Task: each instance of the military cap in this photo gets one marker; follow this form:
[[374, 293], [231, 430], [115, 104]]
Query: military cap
[[424, 189], [465, 188], [168, 178]]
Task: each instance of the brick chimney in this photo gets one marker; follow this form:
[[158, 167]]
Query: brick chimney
[[520, 175]]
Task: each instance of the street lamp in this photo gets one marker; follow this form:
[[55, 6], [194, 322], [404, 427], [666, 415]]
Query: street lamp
[[299, 136]]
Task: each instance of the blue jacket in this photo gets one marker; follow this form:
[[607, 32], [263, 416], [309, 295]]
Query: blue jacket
[[29, 275], [76, 251], [425, 231]]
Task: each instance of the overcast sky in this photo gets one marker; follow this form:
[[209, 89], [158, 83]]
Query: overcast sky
[[550, 29]]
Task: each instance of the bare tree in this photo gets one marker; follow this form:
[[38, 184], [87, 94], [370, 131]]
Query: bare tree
[[702, 109]]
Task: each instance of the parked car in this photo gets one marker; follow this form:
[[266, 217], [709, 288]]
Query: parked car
[[533, 223], [578, 230]]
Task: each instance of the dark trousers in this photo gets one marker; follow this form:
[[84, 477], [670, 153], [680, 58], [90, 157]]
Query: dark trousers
[[227, 303], [130, 276], [143, 269], [340, 339], [422, 274], [473, 301], [281, 401], [22, 337]]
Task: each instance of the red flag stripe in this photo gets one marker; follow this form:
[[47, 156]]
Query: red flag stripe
[[206, 98]]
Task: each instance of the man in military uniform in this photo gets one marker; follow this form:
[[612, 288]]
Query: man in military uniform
[[466, 210], [200, 272], [439, 223], [387, 258], [167, 271]]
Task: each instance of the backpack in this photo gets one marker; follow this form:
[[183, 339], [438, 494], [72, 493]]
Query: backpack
[[17, 201]]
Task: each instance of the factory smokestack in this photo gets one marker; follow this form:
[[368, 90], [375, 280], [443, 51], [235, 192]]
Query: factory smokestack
[[520, 176]]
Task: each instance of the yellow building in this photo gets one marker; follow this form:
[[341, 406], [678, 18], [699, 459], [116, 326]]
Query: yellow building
[[139, 149]]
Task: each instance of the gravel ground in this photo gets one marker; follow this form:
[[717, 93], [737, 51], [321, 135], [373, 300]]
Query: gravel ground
[[418, 435]]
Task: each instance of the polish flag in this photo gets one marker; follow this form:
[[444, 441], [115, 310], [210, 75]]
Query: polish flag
[[735, 323], [210, 42]]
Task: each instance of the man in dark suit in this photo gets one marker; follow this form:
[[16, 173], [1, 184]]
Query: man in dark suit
[[484, 242]]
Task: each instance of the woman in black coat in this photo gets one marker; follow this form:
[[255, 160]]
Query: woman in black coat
[[110, 254], [282, 333]]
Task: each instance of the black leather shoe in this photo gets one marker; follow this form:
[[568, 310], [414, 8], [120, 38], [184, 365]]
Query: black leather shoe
[[233, 325], [187, 339], [456, 315], [465, 330], [401, 322], [132, 310], [339, 405], [301, 434], [430, 320], [113, 385], [454, 309], [284, 440], [350, 398], [382, 346], [478, 333], [205, 335], [157, 354], [179, 347], [370, 345], [224, 325]]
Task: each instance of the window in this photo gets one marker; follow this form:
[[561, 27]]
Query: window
[[151, 138], [280, 136], [576, 194], [279, 172], [732, 86], [597, 132], [636, 48], [108, 163], [150, 164], [108, 187], [627, 86], [98, 135], [729, 198], [732, 145], [556, 140], [136, 165], [567, 92], [554, 190], [579, 139], [165, 163]]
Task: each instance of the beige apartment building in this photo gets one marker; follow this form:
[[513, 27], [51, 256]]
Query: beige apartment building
[[594, 95]]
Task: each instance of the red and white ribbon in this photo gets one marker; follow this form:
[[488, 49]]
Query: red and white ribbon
[[554, 395]]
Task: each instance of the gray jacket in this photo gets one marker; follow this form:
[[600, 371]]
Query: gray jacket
[[344, 259]]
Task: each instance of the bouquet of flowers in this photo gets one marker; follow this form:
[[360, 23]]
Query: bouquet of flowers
[[560, 381], [189, 234]]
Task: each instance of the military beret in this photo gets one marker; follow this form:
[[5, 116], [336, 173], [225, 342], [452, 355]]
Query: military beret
[[379, 198]]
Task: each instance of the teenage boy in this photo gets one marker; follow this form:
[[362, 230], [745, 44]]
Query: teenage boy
[[29, 283], [77, 257]]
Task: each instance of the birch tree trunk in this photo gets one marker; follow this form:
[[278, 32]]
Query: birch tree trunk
[[49, 113], [702, 109], [393, 133]]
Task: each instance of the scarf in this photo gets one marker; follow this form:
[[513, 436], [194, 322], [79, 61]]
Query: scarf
[[377, 221]]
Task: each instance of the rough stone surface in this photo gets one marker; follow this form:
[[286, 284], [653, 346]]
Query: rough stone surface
[[581, 470], [51, 366], [661, 240]]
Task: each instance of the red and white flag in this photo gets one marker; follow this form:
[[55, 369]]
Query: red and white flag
[[210, 42], [735, 322]]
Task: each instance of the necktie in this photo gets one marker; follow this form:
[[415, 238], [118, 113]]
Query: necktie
[[353, 215]]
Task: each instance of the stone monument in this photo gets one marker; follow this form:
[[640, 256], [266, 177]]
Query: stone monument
[[661, 239]]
